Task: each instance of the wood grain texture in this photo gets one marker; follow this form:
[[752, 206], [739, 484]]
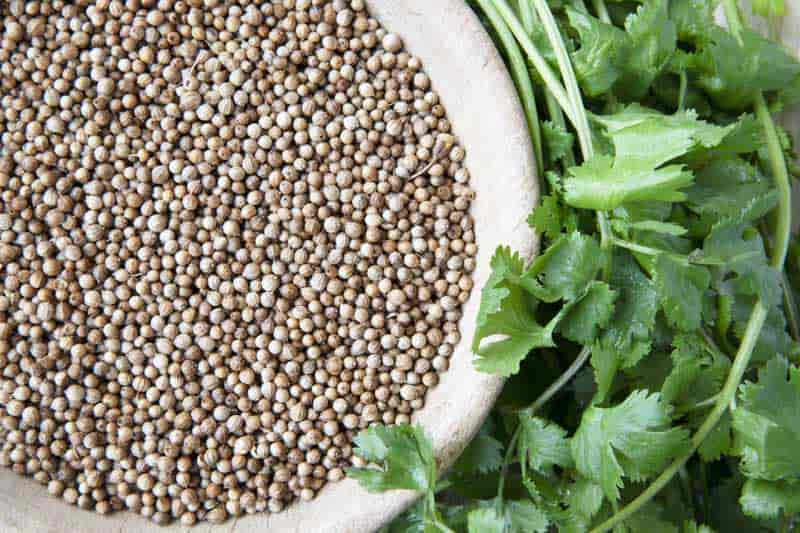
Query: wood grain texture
[[482, 104]]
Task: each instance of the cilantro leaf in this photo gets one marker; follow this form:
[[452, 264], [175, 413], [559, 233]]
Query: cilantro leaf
[[404, 455], [558, 141], [633, 439], [601, 58], [547, 218], [653, 41], [565, 270], [724, 188], [732, 74], [697, 374], [507, 329], [606, 361], [681, 288], [628, 336], [693, 527], [602, 183], [768, 499], [592, 312], [767, 422], [643, 140], [583, 500], [542, 445], [692, 18], [483, 454], [718, 442], [645, 135], [525, 517], [485, 520]]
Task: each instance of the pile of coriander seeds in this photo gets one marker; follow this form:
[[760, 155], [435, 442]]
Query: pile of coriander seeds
[[233, 233]]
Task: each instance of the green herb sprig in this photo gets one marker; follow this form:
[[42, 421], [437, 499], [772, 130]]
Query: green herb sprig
[[652, 346]]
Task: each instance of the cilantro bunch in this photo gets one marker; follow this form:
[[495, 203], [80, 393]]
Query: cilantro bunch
[[652, 346]]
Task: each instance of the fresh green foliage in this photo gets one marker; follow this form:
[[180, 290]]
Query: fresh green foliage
[[767, 423], [732, 78], [484, 454], [633, 439], [542, 445], [404, 454], [661, 288]]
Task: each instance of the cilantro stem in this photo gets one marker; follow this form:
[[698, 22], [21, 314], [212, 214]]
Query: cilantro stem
[[557, 117], [562, 380], [638, 248], [526, 15], [579, 119], [708, 402], [532, 409], [686, 489], [541, 65], [759, 314], [522, 79], [740, 364], [790, 304], [512, 445], [683, 89], [601, 10], [783, 225]]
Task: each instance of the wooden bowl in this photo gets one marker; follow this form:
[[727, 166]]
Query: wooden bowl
[[484, 108]]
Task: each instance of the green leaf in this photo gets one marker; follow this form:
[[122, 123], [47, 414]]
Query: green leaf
[[483, 454], [565, 270], [718, 442], [606, 361], [525, 517], [592, 312], [404, 455], [507, 329], [547, 217], [633, 439], [604, 184], [725, 187], [558, 141], [542, 445], [643, 140], [604, 49], [693, 527], [412, 521], [770, 499], [653, 41], [696, 375], [485, 520], [583, 500], [732, 74], [767, 422], [652, 138], [774, 339], [681, 288], [628, 337], [692, 18]]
